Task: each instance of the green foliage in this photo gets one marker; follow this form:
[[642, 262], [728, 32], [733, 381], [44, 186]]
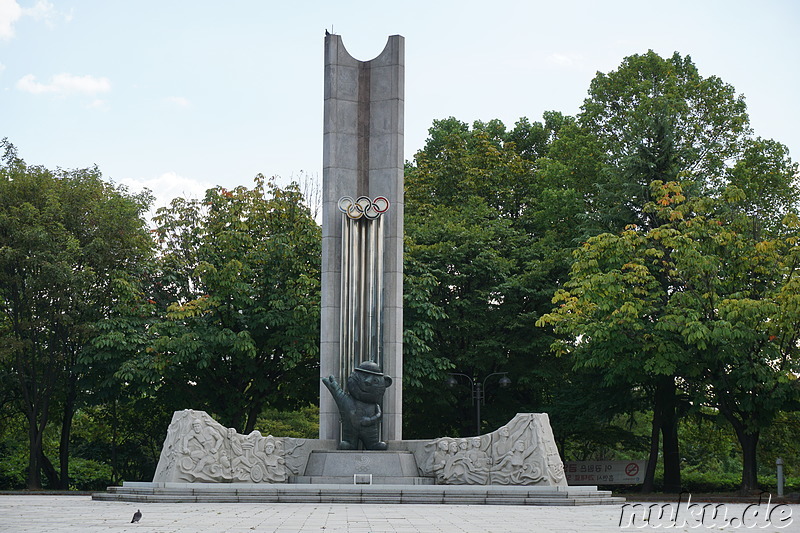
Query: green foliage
[[13, 453], [126, 434], [238, 286], [485, 245], [695, 282], [64, 237], [87, 475], [302, 423]]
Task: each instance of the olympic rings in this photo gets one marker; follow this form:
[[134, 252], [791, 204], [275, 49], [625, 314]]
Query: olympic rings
[[363, 206]]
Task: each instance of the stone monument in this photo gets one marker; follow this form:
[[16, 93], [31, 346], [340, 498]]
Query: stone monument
[[362, 228], [362, 326], [198, 449]]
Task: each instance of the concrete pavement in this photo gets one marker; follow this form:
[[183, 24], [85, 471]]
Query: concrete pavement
[[79, 514]]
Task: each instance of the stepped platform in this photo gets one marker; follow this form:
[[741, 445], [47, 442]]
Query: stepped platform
[[152, 492], [338, 467]]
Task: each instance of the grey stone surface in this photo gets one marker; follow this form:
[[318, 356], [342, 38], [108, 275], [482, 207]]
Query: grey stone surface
[[198, 449], [357, 493], [377, 463], [79, 514], [362, 155], [523, 452]]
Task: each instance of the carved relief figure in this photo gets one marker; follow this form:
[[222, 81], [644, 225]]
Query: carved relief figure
[[478, 473], [295, 455], [456, 467], [523, 452], [198, 449], [359, 407], [440, 459], [275, 471]]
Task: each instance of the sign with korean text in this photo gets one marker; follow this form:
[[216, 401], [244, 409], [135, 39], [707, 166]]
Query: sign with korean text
[[604, 472]]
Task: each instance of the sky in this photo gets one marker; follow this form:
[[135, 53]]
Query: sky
[[181, 95]]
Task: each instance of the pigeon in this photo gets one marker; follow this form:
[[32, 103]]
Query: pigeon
[[327, 33], [136, 516]]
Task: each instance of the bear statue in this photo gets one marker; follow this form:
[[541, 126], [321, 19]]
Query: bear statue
[[359, 407]]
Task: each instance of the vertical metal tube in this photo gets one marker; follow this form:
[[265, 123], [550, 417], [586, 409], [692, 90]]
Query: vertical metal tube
[[379, 291], [344, 335], [371, 290], [354, 296], [342, 297], [351, 303], [361, 324], [362, 315]]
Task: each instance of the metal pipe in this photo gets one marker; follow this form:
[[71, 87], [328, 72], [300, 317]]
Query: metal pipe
[[346, 310], [343, 298], [362, 310], [779, 464], [379, 292], [356, 280], [370, 296]]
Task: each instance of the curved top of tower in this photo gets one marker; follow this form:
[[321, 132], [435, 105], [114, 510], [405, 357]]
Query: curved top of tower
[[393, 52]]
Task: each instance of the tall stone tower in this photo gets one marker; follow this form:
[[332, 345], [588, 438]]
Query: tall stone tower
[[362, 226]]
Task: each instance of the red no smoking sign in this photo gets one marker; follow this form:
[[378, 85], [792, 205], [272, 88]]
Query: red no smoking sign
[[632, 469]]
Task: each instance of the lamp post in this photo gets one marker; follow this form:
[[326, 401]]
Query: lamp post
[[478, 389]]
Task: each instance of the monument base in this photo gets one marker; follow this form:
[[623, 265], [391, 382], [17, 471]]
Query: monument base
[[204, 462], [362, 468], [361, 494], [200, 450]]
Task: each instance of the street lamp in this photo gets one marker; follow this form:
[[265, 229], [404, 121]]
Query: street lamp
[[478, 391]]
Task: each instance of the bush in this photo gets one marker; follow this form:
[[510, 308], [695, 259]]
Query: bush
[[86, 474], [13, 465], [303, 423]]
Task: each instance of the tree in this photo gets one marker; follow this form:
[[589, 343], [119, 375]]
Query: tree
[[698, 298], [655, 118], [740, 307], [239, 279], [486, 242], [652, 119], [64, 236]]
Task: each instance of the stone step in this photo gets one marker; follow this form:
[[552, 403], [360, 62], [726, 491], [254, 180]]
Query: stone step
[[373, 494], [361, 480]]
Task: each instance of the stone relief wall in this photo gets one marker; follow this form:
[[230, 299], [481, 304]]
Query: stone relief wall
[[523, 452], [199, 449]]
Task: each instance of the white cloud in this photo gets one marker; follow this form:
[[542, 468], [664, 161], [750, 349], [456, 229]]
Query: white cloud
[[99, 104], [565, 60], [179, 101], [168, 186], [41, 11], [64, 84], [10, 12]]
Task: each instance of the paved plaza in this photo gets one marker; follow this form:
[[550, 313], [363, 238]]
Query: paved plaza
[[80, 514]]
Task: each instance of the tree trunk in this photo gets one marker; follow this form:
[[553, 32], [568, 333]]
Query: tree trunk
[[34, 481], [652, 460], [749, 443], [252, 416], [672, 457], [665, 404], [49, 471], [66, 431], [114, 466]]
